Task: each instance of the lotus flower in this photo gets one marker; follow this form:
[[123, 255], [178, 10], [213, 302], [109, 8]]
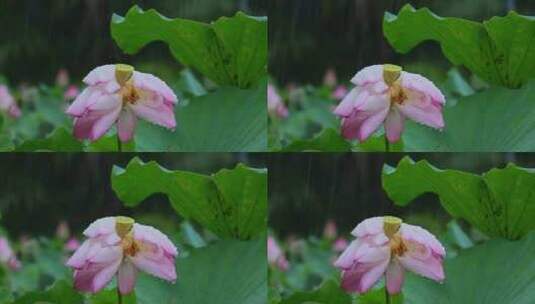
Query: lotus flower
[[275, 105], [7, 256], [71, 93], [118, 246], [72, 245], [62, 78], [330, 231], [340, 92], [62, 230], [387, 95], [118, 94], [340, 244], [329, 79], [386, 246], [275, 255], [8, 103]]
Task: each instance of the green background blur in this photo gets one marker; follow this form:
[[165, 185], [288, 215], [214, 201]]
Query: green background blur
[[305, 190], [37, 37], [306, 37], [39, 190]]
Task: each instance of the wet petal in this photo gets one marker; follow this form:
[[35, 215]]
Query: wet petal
[[369, 75], [366, 119], [370, 226], [154, 109], [418, 83], [126, 278], [146, 233], [394, 125], [100, 227], [153, 261], [8, 103], [101, 74], [347, 258], [84, 100], [350, 102], [95, 123], [419, 235], [154, 84], [98, 272], [126, 125], [80, 256], [420, 109], [157, 253], [394, 277], [362, 276], [430, 268]]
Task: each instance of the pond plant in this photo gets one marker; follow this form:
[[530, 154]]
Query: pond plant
[[482, 102], [221, 85]]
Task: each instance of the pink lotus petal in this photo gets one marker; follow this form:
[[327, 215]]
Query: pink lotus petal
[[394, 125], [149, 234], [368, 75], [340, 92], [430, 268], [94, 276], [14, 111], [350, 102], [155, 262], [368, 227], [100, 227], [126, 125], [72, 245], [422, 236], [100, 75], [275, 255], [154, 84], [394, 277], [366, 119], [7, 256], [95, 123], [126, 278], [71, 93], [275, 104], [347, 258], [340, 245], [418, 83], [8, 103], [363, 275], [84, 100], [154, 109], [422, 110]]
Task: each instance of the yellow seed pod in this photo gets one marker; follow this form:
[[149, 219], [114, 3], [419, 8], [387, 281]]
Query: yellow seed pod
[[391, 225], [391, 73], [123, 225], [123, 73]]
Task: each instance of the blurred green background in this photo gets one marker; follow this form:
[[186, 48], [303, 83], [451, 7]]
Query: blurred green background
[[306, 190], [40, 37], [306, 37], [37, 191]]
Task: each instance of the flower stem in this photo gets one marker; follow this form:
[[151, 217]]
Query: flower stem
[[119, 296], [119, 144], [387, 296], [387, 144]]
